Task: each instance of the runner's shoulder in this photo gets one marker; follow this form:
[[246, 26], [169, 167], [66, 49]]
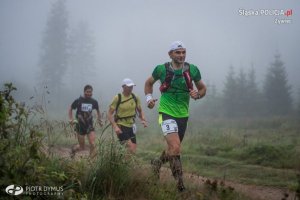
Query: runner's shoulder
[[160, 67], [194, 70], [193, 66]]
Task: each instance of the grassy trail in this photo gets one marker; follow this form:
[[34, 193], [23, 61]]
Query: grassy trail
[[196, 184]]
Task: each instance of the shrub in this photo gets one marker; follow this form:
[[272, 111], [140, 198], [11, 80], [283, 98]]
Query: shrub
[[22, 158]]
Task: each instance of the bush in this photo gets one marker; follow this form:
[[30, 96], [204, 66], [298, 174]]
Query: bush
[[23, 160]]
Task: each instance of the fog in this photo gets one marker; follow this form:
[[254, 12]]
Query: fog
[[132, 37]]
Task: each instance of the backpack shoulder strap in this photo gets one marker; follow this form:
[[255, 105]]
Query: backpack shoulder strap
[[134, 98], [168, 67], [187, 76], [118, 102], [168, 78], [186, 67]]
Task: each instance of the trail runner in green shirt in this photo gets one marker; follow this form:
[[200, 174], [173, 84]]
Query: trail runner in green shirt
[[177, 78]]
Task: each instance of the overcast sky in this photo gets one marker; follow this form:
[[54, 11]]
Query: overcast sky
[[133, 36]]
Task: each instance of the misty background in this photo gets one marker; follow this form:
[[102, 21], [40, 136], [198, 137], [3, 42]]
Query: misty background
[[51, 49]]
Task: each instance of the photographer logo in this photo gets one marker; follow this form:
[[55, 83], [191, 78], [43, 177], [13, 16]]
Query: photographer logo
[[14, 190]]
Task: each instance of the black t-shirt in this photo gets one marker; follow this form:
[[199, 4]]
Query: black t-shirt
[[84, 108]]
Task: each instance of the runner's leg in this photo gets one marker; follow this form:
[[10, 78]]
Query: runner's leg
[[174, 145], [78, 147], [92, 137], [131, 147]]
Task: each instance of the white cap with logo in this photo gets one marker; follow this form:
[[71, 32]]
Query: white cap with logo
[[176, 45], [128, 82]]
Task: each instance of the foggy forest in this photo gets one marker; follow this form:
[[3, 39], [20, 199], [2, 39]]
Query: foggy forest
[[248, 56]]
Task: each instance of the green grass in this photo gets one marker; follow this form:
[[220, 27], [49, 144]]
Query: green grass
[[251, 152], [262, 152]]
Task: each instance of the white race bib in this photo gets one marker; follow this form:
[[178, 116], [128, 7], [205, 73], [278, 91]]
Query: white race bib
[[169, 126], [134, 128], [86, 107]]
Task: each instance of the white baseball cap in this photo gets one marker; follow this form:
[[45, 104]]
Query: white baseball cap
[[176, 45], [128, 82]]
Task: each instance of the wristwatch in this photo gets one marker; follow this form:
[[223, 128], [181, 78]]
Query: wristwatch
[[199, 96]]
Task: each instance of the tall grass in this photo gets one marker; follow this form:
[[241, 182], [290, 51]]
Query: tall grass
[[109, 174], [260, 152]]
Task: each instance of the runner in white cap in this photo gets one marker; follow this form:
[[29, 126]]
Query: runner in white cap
[[122, 113], [176, 89]]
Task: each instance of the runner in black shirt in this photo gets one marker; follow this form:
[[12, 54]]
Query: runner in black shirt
[[84, 120]]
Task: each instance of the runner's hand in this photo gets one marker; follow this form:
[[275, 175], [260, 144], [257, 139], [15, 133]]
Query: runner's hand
[[117, 130], [144, 122], [72, 122], [194, 94], [151, 103], [100, 122]]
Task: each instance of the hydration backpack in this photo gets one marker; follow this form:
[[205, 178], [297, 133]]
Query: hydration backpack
[[120, 102], [170, 76]]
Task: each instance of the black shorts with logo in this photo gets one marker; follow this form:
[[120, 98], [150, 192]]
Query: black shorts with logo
[[127, 134], [181, 123], [84, 129]]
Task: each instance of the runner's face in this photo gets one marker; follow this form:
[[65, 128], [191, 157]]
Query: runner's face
[[88, 93], [178, 55], [127, 89]]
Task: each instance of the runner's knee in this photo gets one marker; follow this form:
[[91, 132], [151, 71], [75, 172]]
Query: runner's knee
[[174, 149], [131, 146]]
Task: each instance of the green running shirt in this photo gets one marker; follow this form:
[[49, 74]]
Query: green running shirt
[[175, 101]]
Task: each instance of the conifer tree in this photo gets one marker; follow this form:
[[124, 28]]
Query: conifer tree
[[230, 95], [82, 56], [276, 91], [253, 97], [54, 50]]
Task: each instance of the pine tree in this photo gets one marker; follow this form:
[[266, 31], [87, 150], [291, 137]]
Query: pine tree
[[54, 51], [241, 94], [230, 94], [253, 97], [211, 103], [276, 91], [82, 56]]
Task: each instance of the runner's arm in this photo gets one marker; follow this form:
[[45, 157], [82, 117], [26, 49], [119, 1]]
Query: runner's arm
[[70, 113], [110, 117], [201, 87], [148, 92], [142, 116], [99, 116], [149, 85]]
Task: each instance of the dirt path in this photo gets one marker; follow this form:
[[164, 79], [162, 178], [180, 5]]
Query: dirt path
[[254, 192], [251, 191]]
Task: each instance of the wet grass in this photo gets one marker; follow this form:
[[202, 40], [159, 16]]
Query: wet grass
[[263, 152]]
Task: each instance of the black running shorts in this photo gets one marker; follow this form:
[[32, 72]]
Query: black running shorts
[[181, 123], [127, 134]]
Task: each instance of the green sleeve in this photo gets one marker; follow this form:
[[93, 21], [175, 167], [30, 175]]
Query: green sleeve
[[157, 72], [195, 73]]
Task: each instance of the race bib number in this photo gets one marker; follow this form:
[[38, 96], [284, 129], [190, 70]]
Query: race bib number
[[169, 126], [85, 107], [134, 128]]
